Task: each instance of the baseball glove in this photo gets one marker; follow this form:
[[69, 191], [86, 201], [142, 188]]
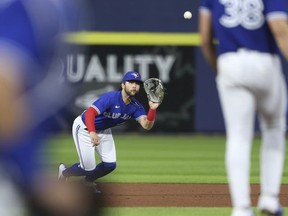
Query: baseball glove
[[154, 89]]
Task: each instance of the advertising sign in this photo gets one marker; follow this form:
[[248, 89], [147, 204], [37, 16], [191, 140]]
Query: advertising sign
[[100, 69]]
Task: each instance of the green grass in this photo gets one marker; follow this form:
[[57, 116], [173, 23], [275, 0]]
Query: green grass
[[150, 158], [162, 159], [167, 211], [170, 211]]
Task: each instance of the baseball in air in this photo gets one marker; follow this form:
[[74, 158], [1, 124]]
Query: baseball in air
[[187, 15]]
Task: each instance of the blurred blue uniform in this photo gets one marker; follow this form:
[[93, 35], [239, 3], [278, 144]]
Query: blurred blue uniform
[[29, 34], [30, 43]]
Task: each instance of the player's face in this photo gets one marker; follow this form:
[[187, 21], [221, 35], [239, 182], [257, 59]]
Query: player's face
[[131, 88]]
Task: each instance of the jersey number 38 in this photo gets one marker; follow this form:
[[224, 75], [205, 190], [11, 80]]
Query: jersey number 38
[[245, 13]]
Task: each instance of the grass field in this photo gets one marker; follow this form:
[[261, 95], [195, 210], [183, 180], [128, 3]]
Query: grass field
[[162, 159]]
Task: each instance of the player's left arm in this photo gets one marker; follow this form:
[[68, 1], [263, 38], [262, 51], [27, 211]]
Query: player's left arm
[[279, 28], [206, 35], [147, 122]]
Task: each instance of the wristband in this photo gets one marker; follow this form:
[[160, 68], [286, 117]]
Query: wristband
[[151, 115]]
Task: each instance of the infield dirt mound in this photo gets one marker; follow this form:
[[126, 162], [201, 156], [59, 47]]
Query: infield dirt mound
[[178, 195]]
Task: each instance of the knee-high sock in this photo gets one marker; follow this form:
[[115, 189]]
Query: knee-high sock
[[75, 170], [101, 170]]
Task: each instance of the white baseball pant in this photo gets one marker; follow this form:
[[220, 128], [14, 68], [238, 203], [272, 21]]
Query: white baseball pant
[[86, 151], [249, 81]]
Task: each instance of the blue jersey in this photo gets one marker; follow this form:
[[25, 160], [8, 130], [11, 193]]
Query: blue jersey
[[241, 23], [113, 111], [30, 30], [29, 34]]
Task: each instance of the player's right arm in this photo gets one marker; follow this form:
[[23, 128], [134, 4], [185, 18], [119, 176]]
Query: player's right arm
[[206, 35], [90, 116], [279, 28]]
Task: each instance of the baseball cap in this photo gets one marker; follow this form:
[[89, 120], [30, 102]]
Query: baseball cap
[[132, 75]]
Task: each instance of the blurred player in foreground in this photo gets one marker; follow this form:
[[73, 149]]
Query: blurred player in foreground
[[249, 79], [92, 129], [31, 94]]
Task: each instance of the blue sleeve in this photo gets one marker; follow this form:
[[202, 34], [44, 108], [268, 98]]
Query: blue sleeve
[[102, 103], [16, 27], [206, 4], [276, 6], [139, 112]]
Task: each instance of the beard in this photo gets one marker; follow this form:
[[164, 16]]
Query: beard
[[131, 94]]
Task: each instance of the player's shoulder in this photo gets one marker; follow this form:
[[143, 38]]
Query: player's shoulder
[[111, 94]]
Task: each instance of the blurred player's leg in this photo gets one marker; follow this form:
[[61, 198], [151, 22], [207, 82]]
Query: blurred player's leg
[[238, 105], [239, 123], [12, 201], [273, 125]]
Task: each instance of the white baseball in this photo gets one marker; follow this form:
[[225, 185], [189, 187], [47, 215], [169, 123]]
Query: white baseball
[[187, 15]]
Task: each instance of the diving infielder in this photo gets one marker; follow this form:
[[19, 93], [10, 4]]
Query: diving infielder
[[92, 129], [249, 79]]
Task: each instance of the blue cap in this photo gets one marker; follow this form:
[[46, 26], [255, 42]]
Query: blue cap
[[132, 75]]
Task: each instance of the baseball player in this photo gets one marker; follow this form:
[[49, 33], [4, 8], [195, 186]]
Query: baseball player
[[249, 79], [92, 129], [30, 42]]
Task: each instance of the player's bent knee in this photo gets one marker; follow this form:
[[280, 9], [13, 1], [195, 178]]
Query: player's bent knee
[[109, 167]]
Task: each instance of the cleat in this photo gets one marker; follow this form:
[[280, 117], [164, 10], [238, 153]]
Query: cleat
[[270, 206], [61, 168], [265, 212], [91, 185]]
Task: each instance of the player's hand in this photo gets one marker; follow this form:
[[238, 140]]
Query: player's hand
[[94, 138], [153, 105]]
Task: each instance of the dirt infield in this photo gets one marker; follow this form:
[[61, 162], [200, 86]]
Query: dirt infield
[[178, 195]]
